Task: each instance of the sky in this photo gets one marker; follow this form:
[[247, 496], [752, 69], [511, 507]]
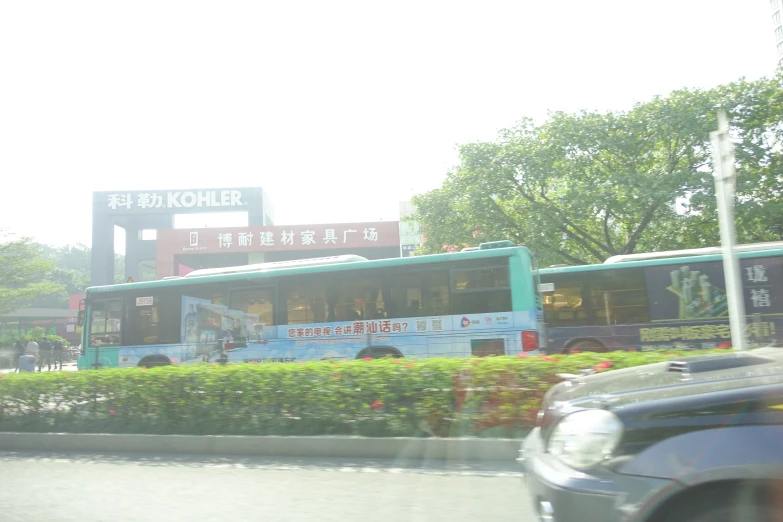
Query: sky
[[339, 109]]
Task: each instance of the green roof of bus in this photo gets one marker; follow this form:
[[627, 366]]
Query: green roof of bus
[[653, 262], [341, 267]]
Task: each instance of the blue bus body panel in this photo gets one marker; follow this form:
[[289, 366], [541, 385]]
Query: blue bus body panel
[[443, 336]]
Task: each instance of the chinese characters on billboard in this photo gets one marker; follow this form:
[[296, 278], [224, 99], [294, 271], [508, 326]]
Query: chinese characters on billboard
[[294, 237], [696, 291], [198, 199]]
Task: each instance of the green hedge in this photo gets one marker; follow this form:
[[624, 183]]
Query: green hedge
[[496, 396]]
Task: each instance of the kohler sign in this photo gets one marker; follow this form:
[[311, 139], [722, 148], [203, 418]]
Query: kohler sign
[[176, 199], [139, 210]]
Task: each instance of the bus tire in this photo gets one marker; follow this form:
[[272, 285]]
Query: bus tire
[[379, 352], [152, 361], [585, 345]]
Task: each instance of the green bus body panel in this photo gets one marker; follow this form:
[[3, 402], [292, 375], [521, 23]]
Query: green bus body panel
[[521, 278]]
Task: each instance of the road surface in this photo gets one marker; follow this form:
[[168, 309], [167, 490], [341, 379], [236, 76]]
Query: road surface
[[67, 367], [119, 488]]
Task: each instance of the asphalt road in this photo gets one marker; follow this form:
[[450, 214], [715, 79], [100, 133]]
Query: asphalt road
[[119, 488]]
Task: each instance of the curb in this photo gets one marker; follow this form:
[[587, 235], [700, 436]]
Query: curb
[[269, 446]]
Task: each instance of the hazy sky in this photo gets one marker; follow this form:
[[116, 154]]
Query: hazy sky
[[339, 109]]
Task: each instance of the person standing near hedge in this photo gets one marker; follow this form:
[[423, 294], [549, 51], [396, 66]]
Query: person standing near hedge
[[32, 349], [57, 353], [18, 351], [44, 354]]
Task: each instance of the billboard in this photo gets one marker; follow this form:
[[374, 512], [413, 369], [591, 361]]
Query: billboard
[[697, 291], [293, 237]]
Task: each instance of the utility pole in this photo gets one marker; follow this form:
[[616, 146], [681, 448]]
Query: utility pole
[[725, 184]]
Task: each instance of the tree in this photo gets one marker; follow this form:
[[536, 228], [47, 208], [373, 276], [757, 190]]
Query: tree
[[24, 274], [580, 188], [757, 121], [72, 272]]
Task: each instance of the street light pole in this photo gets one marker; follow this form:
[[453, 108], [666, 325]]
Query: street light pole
[[725, 183]]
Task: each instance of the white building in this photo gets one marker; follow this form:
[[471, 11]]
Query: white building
[[777, 25]]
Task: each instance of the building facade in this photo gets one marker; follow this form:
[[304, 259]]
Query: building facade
[[138, 211], [174, 251]]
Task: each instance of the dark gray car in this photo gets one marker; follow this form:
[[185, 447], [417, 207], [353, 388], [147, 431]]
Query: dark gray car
[[700, 438]]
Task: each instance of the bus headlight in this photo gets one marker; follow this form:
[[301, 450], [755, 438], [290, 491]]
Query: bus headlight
[[585, 438]]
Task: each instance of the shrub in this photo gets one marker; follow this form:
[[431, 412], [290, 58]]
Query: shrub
[[495, 396]]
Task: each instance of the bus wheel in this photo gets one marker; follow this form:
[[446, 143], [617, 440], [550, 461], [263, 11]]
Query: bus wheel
[[585, 345], [379, 352], [151, 361]]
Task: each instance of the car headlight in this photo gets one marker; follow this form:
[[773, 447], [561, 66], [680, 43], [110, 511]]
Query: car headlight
[[585, 438]]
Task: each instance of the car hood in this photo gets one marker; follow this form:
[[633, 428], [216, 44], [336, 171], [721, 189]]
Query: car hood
[[686, 376]]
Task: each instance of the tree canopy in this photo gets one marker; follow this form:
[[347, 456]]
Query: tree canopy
[[24, 274], [72, 272], [582, 187]]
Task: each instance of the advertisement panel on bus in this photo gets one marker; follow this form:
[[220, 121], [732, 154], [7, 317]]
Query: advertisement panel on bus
[[208, 336]]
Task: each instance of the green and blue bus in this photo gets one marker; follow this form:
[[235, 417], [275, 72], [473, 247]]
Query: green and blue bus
[[480, 302], [665, 299]]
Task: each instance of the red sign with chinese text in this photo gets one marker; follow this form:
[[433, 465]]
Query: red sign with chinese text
[[294, 237]]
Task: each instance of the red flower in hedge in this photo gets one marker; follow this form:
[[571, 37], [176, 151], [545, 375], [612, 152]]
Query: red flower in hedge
[[603, 365], [576, 351], [396, 361], [368, 358], [377, 405], [522, 355], [112, 411]]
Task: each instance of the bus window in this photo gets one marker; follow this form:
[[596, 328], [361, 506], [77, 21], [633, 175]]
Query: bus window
[[418, 294], [259, 302], [619, 297], [105, 323], [306, 303], [357, 299], [144, 320], [480, 278], [480, 290], [565, 306]]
